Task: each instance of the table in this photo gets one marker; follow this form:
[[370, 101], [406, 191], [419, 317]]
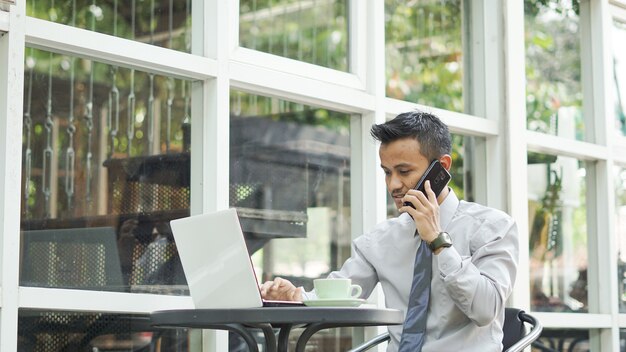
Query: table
[[313, 319]]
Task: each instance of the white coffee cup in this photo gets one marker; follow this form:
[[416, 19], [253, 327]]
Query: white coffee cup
[[336, 289]]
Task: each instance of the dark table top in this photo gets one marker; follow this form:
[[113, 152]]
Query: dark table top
[[277, 316]]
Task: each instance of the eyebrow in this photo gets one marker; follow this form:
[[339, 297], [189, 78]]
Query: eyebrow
[[397, 166]]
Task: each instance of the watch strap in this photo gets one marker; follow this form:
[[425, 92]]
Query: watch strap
[[442, 240]]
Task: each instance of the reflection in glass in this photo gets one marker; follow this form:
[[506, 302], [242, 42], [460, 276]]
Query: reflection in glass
[[424, 52], [461, 171], [619, 75], [290, 165], [553, 87], [165, 23], [290, 183], [311, 31], [619, 177], [558, 233], [562, 340], [53, 331], [106, 166]]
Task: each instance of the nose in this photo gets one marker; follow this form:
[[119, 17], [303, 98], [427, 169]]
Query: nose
[[393, 183]]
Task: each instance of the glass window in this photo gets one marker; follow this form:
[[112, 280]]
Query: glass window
[[94, 331], [619, 76], [424, 52], [290, 166], [461, 170], [554, 94], [558, 233], [290, 183], [106, 166], [165, 23], [620, 229], [311, 31], [622, 339], [562, 340]]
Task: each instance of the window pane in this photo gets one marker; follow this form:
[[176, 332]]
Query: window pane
[[93, 331], [554, 93], [165, 23], [619, 67], [290, 182], [106, 166], [311, 31], [462, 171], [558, 233], [562, 340], [424, 52], [620, 229]]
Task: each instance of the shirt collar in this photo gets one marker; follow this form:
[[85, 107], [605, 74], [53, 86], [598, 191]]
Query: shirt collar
[[447, 209]]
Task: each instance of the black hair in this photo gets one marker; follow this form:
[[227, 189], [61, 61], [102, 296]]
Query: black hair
[[431, 133]]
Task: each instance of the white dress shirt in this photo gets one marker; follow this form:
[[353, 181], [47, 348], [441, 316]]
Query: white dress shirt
[[470, 282]]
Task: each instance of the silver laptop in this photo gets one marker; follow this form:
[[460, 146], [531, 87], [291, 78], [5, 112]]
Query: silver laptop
[[216, 263]]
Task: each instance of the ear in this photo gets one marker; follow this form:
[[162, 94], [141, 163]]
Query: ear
[[446, 161]]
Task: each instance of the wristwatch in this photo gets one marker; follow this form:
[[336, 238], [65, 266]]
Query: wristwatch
[[442, 240]]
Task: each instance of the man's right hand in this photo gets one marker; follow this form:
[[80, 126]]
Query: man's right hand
[[280, 289]]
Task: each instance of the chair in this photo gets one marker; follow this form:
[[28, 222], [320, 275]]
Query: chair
[[73, 258], [515, 336]]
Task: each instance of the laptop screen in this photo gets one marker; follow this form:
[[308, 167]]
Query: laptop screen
[[215, 260]]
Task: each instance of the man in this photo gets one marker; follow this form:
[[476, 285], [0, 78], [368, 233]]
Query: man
[[471, 279]]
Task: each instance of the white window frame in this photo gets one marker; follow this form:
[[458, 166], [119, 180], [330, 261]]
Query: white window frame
[[11, 97]]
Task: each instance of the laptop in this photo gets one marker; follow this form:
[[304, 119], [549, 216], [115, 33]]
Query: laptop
[[216, 263]]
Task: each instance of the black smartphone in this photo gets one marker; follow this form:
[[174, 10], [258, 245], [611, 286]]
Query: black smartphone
[[438, 177]]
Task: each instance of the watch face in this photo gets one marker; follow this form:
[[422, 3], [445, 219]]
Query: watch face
[[442, 240]]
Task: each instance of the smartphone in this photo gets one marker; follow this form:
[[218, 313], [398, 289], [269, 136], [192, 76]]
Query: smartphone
[[438, 177]]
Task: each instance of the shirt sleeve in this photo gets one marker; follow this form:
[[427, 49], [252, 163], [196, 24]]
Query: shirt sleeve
[[480, 284], [307, 296], [449, 261], [357, 268]]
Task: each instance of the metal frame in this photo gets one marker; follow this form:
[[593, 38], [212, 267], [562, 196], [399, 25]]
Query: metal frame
[[104, 48], [11, 97], [521, 317]]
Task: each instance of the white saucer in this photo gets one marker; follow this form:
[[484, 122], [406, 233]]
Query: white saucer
[[334, 302]]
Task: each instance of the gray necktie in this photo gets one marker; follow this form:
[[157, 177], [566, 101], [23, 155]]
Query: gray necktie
[[414, 330]]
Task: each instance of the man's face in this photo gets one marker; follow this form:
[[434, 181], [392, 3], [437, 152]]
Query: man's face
[[403, 164]]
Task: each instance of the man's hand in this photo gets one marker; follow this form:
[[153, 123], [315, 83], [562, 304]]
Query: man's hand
[[426, 212], [280, 289]]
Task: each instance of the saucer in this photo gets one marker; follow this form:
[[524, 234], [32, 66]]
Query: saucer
[[334, 302]]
